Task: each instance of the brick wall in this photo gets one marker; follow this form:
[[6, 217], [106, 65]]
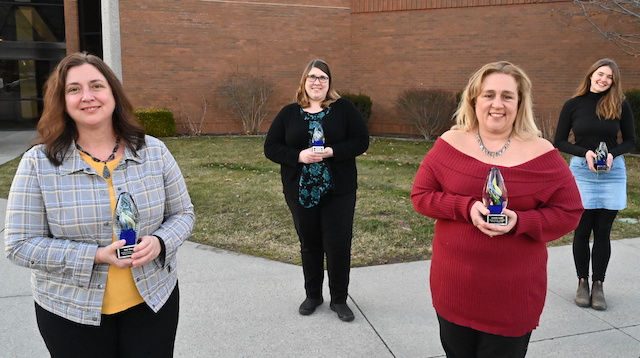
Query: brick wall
[[72, 36], [176, 52], [363, 6], [441, 48]]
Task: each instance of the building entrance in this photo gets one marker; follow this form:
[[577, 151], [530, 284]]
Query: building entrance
[[32, 42]]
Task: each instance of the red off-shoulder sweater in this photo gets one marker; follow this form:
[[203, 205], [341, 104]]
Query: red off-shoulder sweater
[[496, 285]]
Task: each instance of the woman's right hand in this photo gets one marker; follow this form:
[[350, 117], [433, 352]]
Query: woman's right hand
[[590, 156], [307, 156], [107, 255], [478, 214]]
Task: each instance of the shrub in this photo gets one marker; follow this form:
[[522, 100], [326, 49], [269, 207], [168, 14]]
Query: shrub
[[362, 102], [633, 97], [157, 122], [430, 110], [459, 97], [190, 126], [547, 126], [247, 95]]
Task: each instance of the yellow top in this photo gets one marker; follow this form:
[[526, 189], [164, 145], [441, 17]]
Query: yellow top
[[121, 292]]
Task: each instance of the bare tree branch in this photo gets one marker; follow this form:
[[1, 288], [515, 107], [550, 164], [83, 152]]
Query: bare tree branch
[[617, 21], [247, 94], [429, 110]]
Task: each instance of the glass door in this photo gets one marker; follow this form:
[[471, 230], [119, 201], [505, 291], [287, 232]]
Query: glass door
[[31, 44]]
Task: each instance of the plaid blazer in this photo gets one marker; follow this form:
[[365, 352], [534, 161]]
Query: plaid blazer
[[58, 216]]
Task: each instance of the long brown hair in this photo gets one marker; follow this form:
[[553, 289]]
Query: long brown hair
[[610, 105], [57, 130], [301, 95]]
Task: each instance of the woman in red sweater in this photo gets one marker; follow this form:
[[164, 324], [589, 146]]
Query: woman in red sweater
[[489, 281]]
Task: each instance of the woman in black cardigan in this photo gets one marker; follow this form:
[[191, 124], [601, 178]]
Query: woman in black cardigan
[[319, 180]]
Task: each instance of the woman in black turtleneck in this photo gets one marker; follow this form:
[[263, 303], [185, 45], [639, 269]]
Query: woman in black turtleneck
[[597, 113]]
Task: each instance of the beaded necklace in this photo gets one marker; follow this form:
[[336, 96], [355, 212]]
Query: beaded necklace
[[489, 153], [105, 172]]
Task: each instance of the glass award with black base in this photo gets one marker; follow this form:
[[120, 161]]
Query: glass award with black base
[[601, 157], [317, 139], [494, 197], [125, 224]]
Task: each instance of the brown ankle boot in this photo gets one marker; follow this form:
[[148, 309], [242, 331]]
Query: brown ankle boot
[[582, 295], [597, 297]]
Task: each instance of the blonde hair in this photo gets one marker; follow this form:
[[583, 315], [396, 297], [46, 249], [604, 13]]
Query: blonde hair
[[610, 105], [301, 95], [524, 125]]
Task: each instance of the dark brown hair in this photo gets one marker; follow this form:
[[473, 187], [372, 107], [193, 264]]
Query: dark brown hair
[[57, 130]]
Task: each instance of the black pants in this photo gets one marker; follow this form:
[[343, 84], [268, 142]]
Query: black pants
[[326, 228], [600, 222], [135, 333], [464, 342]]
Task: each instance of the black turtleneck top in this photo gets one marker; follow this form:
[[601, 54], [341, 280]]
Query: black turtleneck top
[[579, 114]]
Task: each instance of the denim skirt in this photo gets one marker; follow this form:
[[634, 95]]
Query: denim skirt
[[601, 190]]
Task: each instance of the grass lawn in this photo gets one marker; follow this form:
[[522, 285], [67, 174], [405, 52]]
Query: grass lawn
[[239, 205]]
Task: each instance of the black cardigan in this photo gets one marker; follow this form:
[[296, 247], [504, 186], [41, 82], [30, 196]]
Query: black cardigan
[[345, 131]]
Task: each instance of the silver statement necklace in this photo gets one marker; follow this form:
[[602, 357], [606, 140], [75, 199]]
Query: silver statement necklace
[[105, 172], [489, 153]]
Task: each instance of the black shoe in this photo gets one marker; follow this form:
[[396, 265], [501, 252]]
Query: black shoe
[[344, 312], [309, 306]]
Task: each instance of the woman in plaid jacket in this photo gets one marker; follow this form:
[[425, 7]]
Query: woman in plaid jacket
[[60, 214]]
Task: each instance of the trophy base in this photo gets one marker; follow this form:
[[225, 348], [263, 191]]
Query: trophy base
[[602, 168], [497, 219], [125, 251], [318, 149]]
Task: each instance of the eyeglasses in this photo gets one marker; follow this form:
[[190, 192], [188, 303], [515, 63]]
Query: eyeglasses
[[313, 78]]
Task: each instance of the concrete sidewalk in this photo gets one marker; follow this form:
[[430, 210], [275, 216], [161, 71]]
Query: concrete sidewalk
[[234, 305]]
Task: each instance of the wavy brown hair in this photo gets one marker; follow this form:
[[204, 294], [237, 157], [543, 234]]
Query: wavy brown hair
[[301, 95], [524, 126], [57, 131], [610, 105]]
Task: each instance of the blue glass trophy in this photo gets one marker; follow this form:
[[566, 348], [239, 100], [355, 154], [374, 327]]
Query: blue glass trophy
[[317, 139], [601, 157], [494, 197], [125, 224]]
